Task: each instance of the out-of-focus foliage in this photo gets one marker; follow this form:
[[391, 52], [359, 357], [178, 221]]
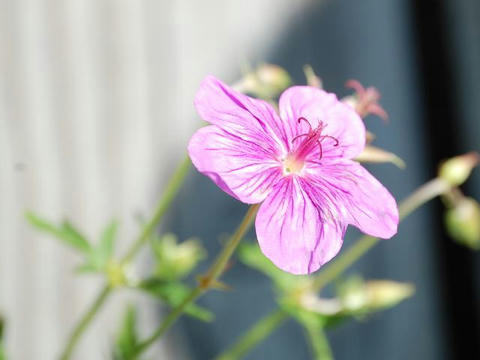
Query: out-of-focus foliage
[[359, 297], [100, 256], [172, 262], [462, 216], [463, 222], [126, 339], [175, 260], [64, 232], [355, 297], [456, 170], [173, 293], [96, 257], [267, 81]]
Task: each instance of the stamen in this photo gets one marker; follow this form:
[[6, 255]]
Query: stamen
[[308, 122], [321, 149], [330, 137], [313, 136], [298, 136]]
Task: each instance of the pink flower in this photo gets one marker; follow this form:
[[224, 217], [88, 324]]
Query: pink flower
[[298, 164]]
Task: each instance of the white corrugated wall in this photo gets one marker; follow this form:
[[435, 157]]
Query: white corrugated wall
[[95, 108]]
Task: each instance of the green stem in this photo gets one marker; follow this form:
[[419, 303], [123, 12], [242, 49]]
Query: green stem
[[318, 341], [205, 282], [254, 335], [423, 194], [85, 321], [170, 192]]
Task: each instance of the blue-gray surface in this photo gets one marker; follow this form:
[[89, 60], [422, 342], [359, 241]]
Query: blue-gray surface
[[371, 41]]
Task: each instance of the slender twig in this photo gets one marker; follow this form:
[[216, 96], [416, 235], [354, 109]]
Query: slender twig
[[206, 282], [85, 321], [422, 195], [170, 192], [318, 341]]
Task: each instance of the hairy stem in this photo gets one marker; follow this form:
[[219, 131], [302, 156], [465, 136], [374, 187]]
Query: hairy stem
[[206, 282], [170, 192]]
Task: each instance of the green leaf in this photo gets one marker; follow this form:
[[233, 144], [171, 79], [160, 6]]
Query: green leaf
[[173, 293], [65, 232], [99, 256], [86, 268], [107, 240], [102, 253], [127, 338]]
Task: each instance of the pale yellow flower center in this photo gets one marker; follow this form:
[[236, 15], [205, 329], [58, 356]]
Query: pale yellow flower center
[[292, 165]]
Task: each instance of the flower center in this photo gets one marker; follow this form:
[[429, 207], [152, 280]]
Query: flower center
[[308, 143], [292, 165]]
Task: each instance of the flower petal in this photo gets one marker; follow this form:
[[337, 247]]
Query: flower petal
[[342, 122], [237, 164], [235, 112], [291, 231], [347, 191]]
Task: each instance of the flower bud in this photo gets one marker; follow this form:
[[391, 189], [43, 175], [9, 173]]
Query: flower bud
[[463, 222], [266, 82], [457, 169], [364, 297], [382, 294], [176, 260]]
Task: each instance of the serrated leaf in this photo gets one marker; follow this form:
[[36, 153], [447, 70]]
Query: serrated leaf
[[127, 339], [173, 293], [102, 253], [99, 256], [66, 232]]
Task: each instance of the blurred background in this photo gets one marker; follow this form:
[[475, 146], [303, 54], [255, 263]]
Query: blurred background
[[96, 110]]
